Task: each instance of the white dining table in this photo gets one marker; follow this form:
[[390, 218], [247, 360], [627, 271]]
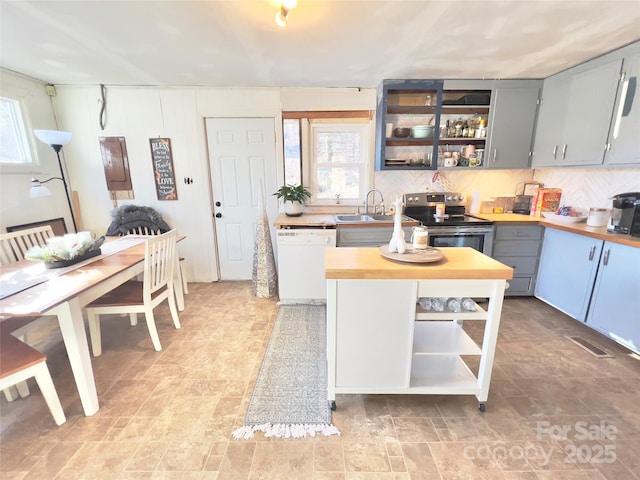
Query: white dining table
[[64, 293]]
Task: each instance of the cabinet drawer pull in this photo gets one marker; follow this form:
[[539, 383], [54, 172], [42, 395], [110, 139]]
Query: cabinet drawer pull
[[605, 260], [592, 252], [564, 151]]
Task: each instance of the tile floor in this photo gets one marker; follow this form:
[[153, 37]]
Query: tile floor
[[555, 412]]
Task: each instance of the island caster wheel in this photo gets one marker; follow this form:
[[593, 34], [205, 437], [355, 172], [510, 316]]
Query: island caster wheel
[[482, 407], [333, 405]]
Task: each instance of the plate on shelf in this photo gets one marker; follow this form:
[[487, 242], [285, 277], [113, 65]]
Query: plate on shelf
[[412, 256], [395, 161], [563, 218]]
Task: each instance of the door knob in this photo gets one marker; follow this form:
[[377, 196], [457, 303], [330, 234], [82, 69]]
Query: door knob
[[218, 215], [218, 204]]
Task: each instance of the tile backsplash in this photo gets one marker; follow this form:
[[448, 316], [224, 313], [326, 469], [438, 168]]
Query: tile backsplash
[[581, 187]]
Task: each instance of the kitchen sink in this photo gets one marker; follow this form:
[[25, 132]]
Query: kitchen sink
[[353, 218], [369, 218]]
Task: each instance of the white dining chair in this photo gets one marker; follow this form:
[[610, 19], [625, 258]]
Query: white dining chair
[[13, 248], [18, 363], [14, 245], [181, 271], [135, 297]]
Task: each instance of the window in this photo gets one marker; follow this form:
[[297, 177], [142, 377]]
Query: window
[[339, 160], [329, 152], [292, 153], [14, 146]]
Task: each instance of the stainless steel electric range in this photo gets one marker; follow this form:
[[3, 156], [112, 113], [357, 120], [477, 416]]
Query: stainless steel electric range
[[454, 228]]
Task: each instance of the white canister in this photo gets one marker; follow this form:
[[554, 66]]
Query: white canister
[[420, 238], [598, 217], [389, 130]]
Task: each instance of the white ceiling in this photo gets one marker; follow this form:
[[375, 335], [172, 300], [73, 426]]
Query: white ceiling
[[328, 43]]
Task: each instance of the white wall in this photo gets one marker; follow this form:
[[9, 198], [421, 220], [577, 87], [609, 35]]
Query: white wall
[[15, 183], [140, 113]]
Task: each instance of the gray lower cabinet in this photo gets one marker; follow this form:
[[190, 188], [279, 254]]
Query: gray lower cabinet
[[567, 270], [519, 247], [365, 236], [512, 120], [615, 303], [594, 281]]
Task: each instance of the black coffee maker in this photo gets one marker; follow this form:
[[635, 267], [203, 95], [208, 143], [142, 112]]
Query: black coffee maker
[[626, 206]]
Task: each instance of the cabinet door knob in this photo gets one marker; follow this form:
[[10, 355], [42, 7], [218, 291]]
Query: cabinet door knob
[[564, 151], [592, 252], [555, 151], [218, 215], [605, 260]]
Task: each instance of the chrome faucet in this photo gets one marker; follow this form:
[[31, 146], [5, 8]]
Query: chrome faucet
[[375, 207]]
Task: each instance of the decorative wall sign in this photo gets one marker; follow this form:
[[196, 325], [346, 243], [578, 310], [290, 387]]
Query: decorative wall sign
[[163, 168]]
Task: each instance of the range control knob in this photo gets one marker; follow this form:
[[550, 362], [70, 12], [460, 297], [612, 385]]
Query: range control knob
[[461, 198], [449, 198]]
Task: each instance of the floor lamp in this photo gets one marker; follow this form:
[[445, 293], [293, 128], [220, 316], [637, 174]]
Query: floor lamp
[[55, 139]]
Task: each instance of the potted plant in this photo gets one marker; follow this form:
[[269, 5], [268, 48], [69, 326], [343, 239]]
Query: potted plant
[[293, 197]]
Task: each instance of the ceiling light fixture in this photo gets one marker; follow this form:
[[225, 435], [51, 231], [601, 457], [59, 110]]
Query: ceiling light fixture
[[282, 16]]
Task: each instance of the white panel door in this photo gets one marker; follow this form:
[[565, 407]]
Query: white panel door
[[242, 154]]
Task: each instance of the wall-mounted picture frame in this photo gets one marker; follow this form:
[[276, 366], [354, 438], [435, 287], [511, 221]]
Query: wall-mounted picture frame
[[163, 172]]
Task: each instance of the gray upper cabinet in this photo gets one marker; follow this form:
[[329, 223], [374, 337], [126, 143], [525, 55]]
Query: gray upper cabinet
[[550, 120], [623, 145], [512, 120], [575, 115], [591, 98]]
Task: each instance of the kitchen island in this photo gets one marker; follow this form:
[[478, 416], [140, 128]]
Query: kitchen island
[[379, 341]]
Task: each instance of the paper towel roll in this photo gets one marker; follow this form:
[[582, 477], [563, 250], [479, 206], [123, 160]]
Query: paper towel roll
[[475, 202]]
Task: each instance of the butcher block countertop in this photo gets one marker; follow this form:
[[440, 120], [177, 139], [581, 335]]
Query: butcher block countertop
[[326, 220], [580, 228], [366, 263], [310, 220]]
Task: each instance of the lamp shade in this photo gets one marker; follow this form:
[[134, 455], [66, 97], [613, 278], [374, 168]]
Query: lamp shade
[[53, 137], [38, 190]]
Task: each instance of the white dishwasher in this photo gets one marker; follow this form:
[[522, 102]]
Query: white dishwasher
[[301, 263]]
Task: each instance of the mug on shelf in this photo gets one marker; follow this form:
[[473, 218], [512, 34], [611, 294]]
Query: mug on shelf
[[450, 161], [468, 150]]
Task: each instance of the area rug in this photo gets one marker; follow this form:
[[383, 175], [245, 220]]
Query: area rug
[[290, 395]]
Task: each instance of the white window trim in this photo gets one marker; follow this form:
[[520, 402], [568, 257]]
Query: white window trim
[[309, 164], [34, 166]]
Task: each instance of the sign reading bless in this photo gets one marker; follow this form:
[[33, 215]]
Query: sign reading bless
[[163, 168]]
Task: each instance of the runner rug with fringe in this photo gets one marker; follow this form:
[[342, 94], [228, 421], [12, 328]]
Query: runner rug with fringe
[[290, 395]]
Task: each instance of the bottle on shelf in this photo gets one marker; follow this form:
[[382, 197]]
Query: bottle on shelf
[[481, 132], [458, 128], [444, 131]]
